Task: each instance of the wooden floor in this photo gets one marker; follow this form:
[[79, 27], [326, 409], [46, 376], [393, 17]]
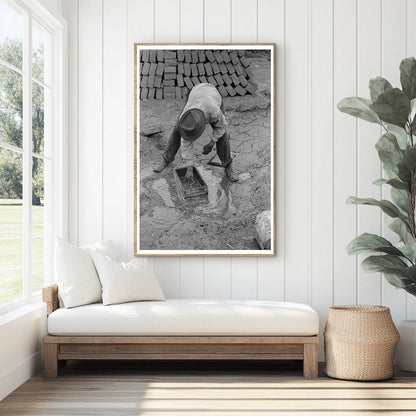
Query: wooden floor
[[226, 389]]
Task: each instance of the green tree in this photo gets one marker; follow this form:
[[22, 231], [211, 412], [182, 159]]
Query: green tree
[[11, 116], [10, 175]]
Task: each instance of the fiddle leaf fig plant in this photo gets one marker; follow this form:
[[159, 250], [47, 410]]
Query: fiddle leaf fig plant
[[394, 109]]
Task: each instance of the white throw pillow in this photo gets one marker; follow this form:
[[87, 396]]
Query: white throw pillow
[[75, 273], [104, 247], [126, 282]]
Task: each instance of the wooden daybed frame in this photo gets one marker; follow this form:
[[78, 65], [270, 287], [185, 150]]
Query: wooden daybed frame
[[58, 349]]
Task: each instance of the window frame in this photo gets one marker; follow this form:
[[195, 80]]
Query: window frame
[[58, 226]]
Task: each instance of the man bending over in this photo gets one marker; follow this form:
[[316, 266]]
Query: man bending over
[[204, 106]]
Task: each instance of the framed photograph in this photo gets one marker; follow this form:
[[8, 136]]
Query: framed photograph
[[204, 150]]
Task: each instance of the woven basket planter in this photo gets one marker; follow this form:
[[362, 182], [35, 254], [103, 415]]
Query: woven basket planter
[[360, 342]]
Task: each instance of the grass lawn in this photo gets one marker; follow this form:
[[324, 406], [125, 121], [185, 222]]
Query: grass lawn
[[11, 249]]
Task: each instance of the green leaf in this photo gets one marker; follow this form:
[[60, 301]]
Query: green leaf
[[400, 228], [380, 182], [388, 207], [410, 158], [397, 280], [395, 183], [410, 272], [404, 173], [412, 109], [366, 243], [398, 184], [412, 116], [401, 137], [395, 270], [378, 86], [408, 249], [389, 151], [392, 107], [359, 107], [400, 198], [381, 263], [411, 289], [390, 173], [408, 77]]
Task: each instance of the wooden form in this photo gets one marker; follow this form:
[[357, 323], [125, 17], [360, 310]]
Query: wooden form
[[198, 188], [58, 349]]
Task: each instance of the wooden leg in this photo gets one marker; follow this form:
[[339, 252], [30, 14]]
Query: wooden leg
[[50, 360], [310, 360]]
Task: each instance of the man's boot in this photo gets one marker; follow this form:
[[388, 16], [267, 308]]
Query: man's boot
[[231, 175], [160, 166]]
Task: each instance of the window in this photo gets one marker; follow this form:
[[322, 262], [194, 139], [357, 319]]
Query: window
[[31, 137]]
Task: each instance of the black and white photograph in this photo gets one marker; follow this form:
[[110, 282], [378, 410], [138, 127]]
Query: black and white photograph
[[204, 149]]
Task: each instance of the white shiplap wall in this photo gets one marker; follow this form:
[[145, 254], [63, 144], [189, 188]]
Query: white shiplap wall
[[326, 50]]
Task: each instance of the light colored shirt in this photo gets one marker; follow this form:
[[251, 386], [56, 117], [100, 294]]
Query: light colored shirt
[[206, 98]]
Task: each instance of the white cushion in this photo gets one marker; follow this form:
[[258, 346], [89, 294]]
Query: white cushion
[[187, 317], [75, 273], [126, 282], [105, 248]]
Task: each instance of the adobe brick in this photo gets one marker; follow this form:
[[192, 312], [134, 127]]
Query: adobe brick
[[230, 90], [225, 56], [143, 83], [159, 93], [146, 68], [208, 68]]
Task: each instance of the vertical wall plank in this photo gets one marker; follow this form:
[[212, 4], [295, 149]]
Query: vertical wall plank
[[167, 16], [244, 278], [411, 51], [217, 28], [296, 152], [244, 21], [244, 29], [90, 184], [321, 166], [192, 277], [115, 179], [217, 25], [192, 30], [192, 21], [167, 29], [144, 33], [271, 29], [345, 151], [70, 12], [217, 274], [168, 273], [393, 51], [369, 168], [411, 28]]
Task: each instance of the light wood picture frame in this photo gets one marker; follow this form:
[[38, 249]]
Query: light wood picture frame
[[228, 205]]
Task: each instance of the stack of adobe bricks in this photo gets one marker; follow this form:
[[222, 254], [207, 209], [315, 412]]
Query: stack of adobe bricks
[[168, 74]]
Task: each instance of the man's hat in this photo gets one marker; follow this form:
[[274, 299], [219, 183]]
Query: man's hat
[[192, 124]]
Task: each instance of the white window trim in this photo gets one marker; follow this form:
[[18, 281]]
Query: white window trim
[[59, 175]]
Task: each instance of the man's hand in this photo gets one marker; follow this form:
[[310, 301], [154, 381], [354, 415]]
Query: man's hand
[[208, 147], [189, 173]]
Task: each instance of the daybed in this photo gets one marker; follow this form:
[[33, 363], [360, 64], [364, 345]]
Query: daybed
[[181, 329]]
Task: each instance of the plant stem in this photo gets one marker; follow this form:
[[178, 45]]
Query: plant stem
[[412, 196]]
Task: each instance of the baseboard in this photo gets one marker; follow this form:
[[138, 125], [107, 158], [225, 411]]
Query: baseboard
[[10, 380]]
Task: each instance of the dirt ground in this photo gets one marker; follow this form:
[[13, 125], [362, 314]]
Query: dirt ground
[[224, 219]]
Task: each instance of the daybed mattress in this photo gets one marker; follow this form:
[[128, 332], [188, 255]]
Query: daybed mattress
[[186, 317]]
